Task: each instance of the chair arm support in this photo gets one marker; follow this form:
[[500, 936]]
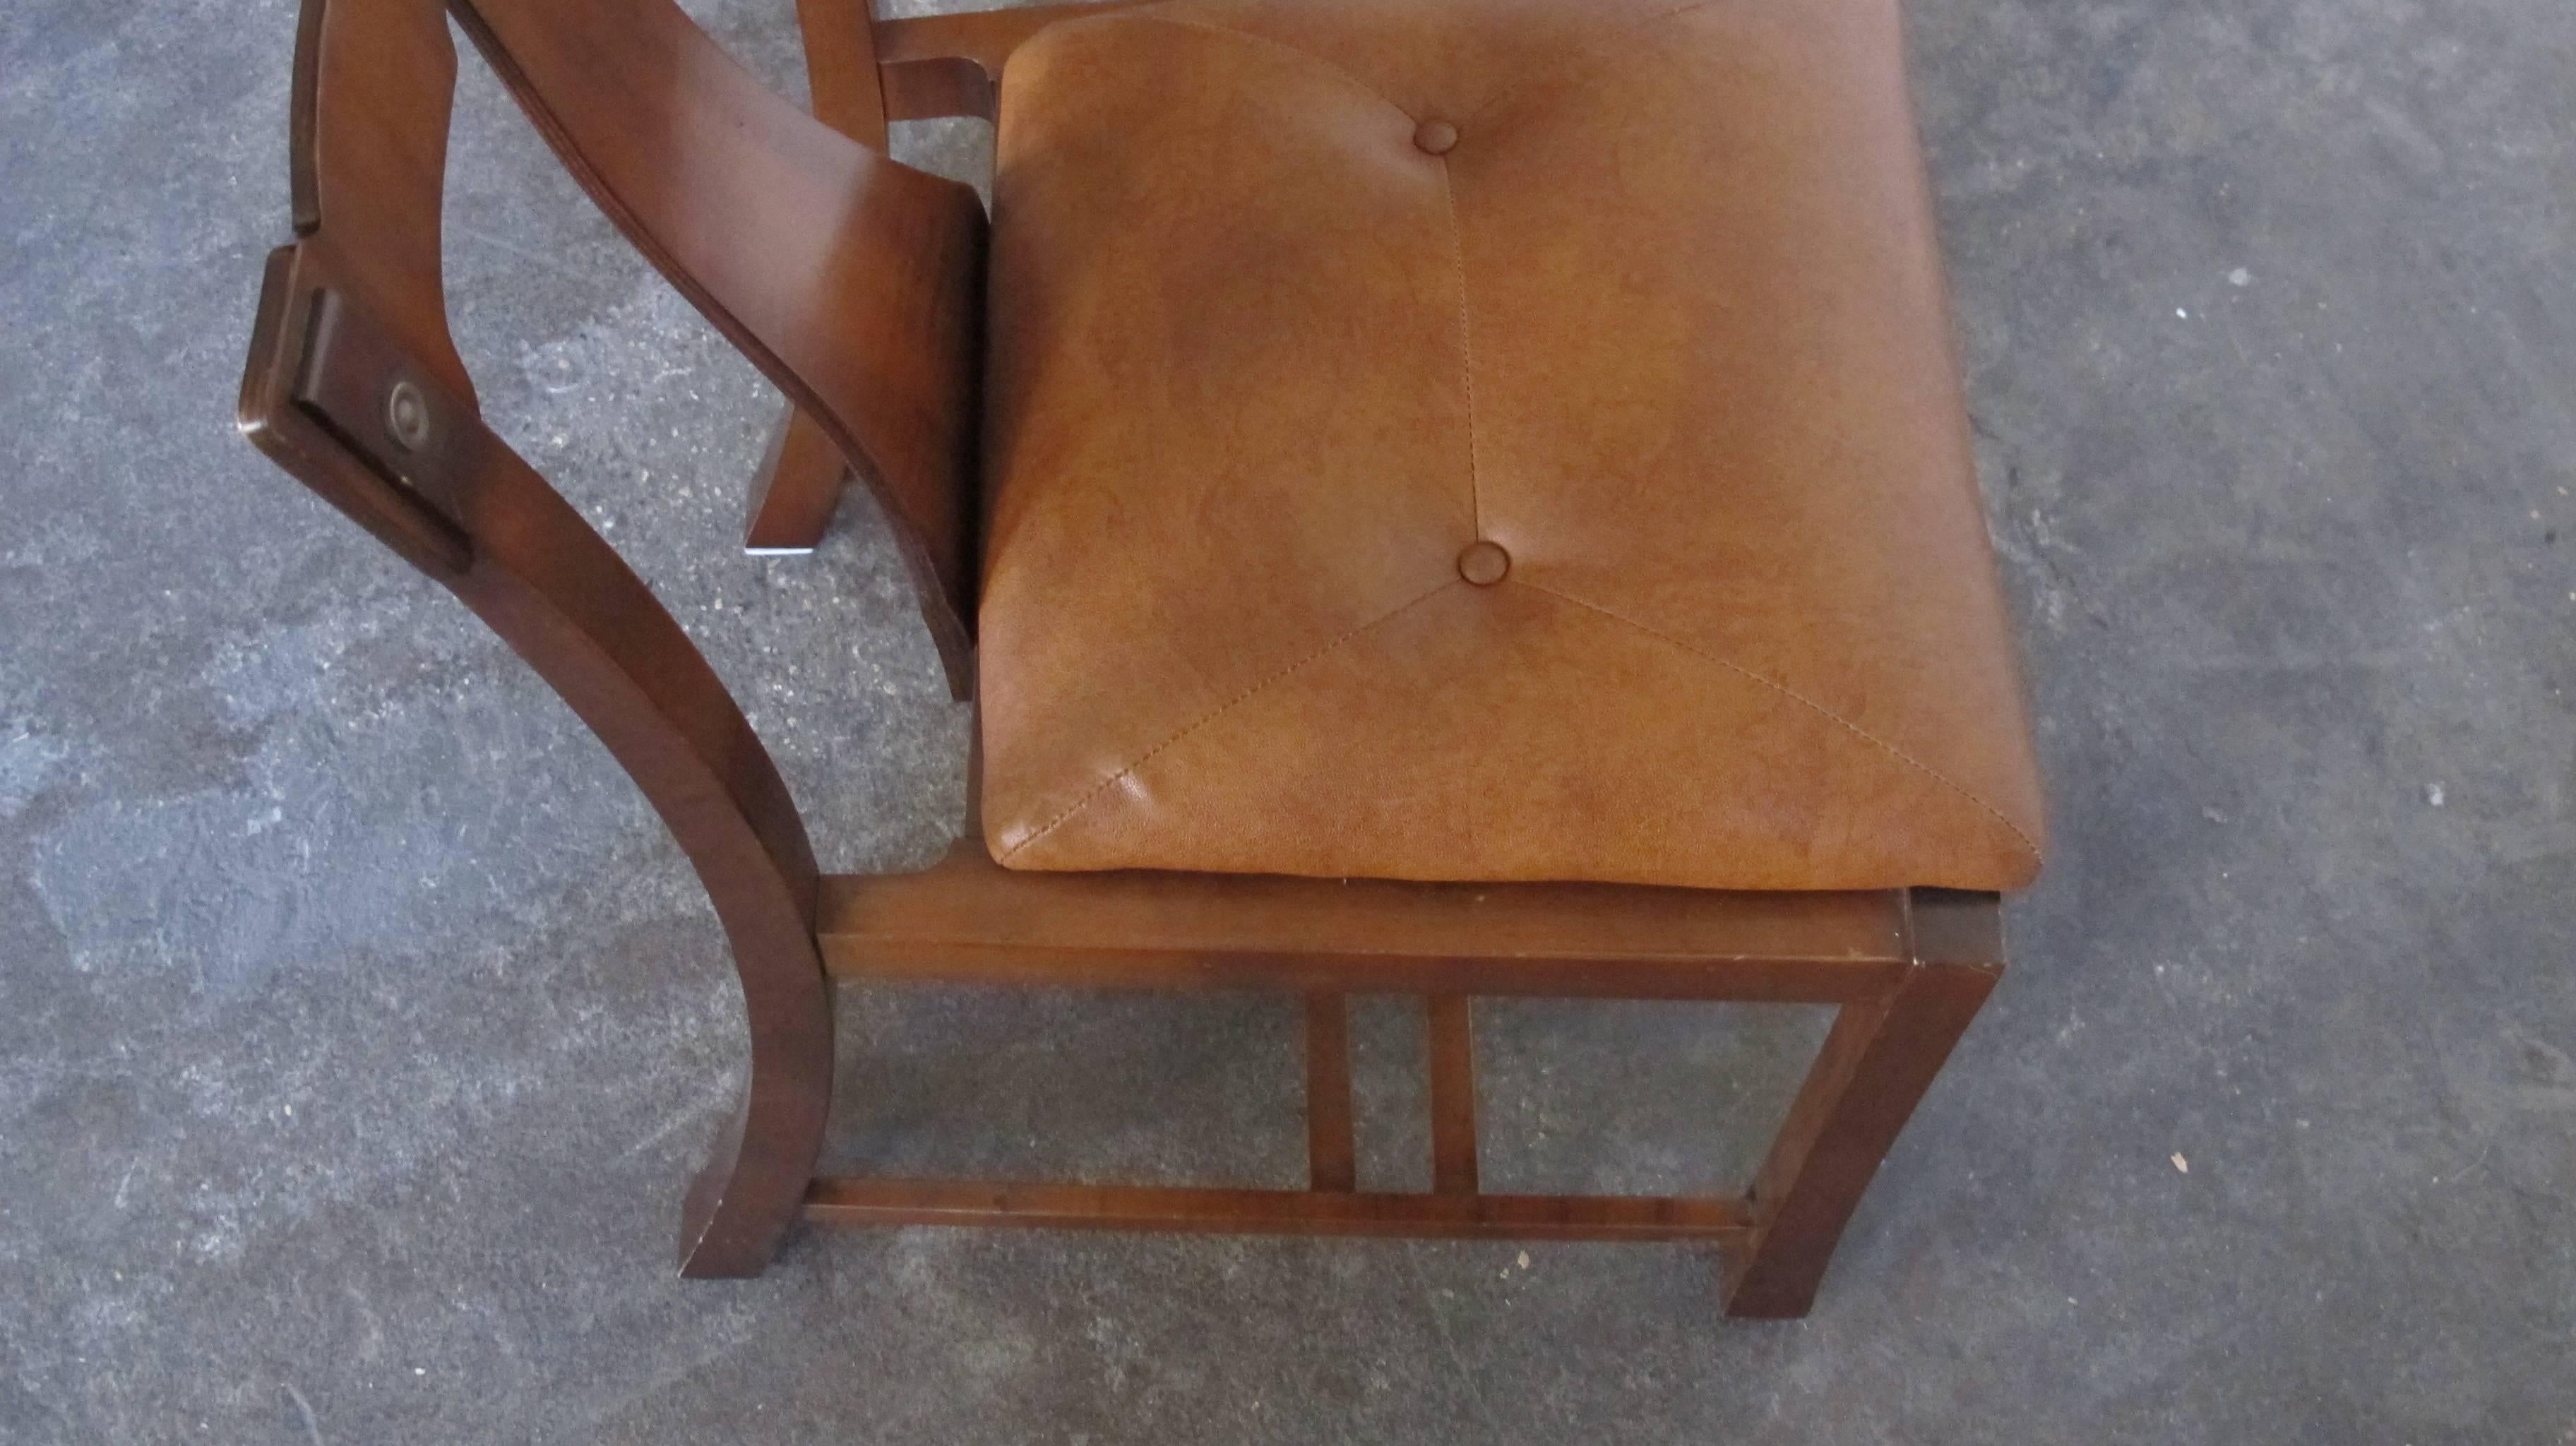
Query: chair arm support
[[951, 65]]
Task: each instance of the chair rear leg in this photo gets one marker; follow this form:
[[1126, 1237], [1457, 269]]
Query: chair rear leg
[[796, 489], [799, 483]]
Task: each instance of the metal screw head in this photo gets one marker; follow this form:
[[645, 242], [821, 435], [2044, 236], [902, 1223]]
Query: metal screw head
[[407, 416]]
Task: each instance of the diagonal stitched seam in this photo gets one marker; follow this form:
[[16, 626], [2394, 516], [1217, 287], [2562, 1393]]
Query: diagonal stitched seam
[[1466, 348], [1787, 692], [1229, 705], [1610, 47], [1299, 51]]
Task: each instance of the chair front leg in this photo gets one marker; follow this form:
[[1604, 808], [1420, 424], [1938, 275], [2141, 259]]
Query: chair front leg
[[1879, 1058]]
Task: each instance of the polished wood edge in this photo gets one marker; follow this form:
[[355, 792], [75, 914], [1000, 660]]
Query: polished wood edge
[[851, 1201]]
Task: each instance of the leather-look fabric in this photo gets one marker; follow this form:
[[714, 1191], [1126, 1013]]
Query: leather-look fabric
[[1485, 440]]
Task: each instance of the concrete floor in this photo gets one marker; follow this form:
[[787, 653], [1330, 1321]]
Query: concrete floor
[[358, 1024]]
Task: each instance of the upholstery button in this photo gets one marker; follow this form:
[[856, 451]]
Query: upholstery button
[[1484, 563], [1435, 137]]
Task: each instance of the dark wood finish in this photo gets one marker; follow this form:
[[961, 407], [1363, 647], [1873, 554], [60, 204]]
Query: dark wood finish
[[843, 1201], [1880, 1057], [1453, 1094], [1332, 1152], [968, 920], [852, 281]]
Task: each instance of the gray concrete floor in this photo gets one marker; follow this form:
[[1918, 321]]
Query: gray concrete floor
[[357, 1023]]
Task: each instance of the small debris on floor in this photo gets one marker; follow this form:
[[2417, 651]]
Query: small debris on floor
[[2180, 1163], [2433, 795]]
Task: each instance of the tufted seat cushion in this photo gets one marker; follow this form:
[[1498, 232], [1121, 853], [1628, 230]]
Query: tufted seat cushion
[[1485, 440]]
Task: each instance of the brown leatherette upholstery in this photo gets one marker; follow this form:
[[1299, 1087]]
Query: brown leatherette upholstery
[[1485, 440]]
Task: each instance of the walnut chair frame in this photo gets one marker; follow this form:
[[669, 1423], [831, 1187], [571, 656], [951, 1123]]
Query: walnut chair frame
[[852, 282]]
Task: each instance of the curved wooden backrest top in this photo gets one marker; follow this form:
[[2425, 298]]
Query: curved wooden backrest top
[[851, 281]]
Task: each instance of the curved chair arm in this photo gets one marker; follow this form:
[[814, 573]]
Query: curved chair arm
[[808, 251]]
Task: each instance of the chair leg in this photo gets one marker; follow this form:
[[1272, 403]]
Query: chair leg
[[1880, 1057], [796, 489], [753, 1187]]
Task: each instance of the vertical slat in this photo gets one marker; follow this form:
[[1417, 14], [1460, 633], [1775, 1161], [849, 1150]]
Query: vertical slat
[[1453, 1095], [1332, 1159]]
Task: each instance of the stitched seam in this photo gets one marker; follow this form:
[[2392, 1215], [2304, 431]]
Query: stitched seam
[[1299, 51], [1466, 348], [1787, 692], [1610, 47], [1141, 759]]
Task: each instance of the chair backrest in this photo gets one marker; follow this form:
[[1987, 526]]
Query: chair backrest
[[851, 281]]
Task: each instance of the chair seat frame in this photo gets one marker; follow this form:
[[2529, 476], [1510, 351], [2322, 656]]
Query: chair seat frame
[[354, 386]]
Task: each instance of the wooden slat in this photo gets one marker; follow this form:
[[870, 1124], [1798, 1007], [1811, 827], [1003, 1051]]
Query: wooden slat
[[1453, 1095], [1332, 1156], [835, 1200], [970, 920]]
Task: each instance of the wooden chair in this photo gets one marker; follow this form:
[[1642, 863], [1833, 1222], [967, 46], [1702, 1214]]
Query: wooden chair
[[1858, 875]]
